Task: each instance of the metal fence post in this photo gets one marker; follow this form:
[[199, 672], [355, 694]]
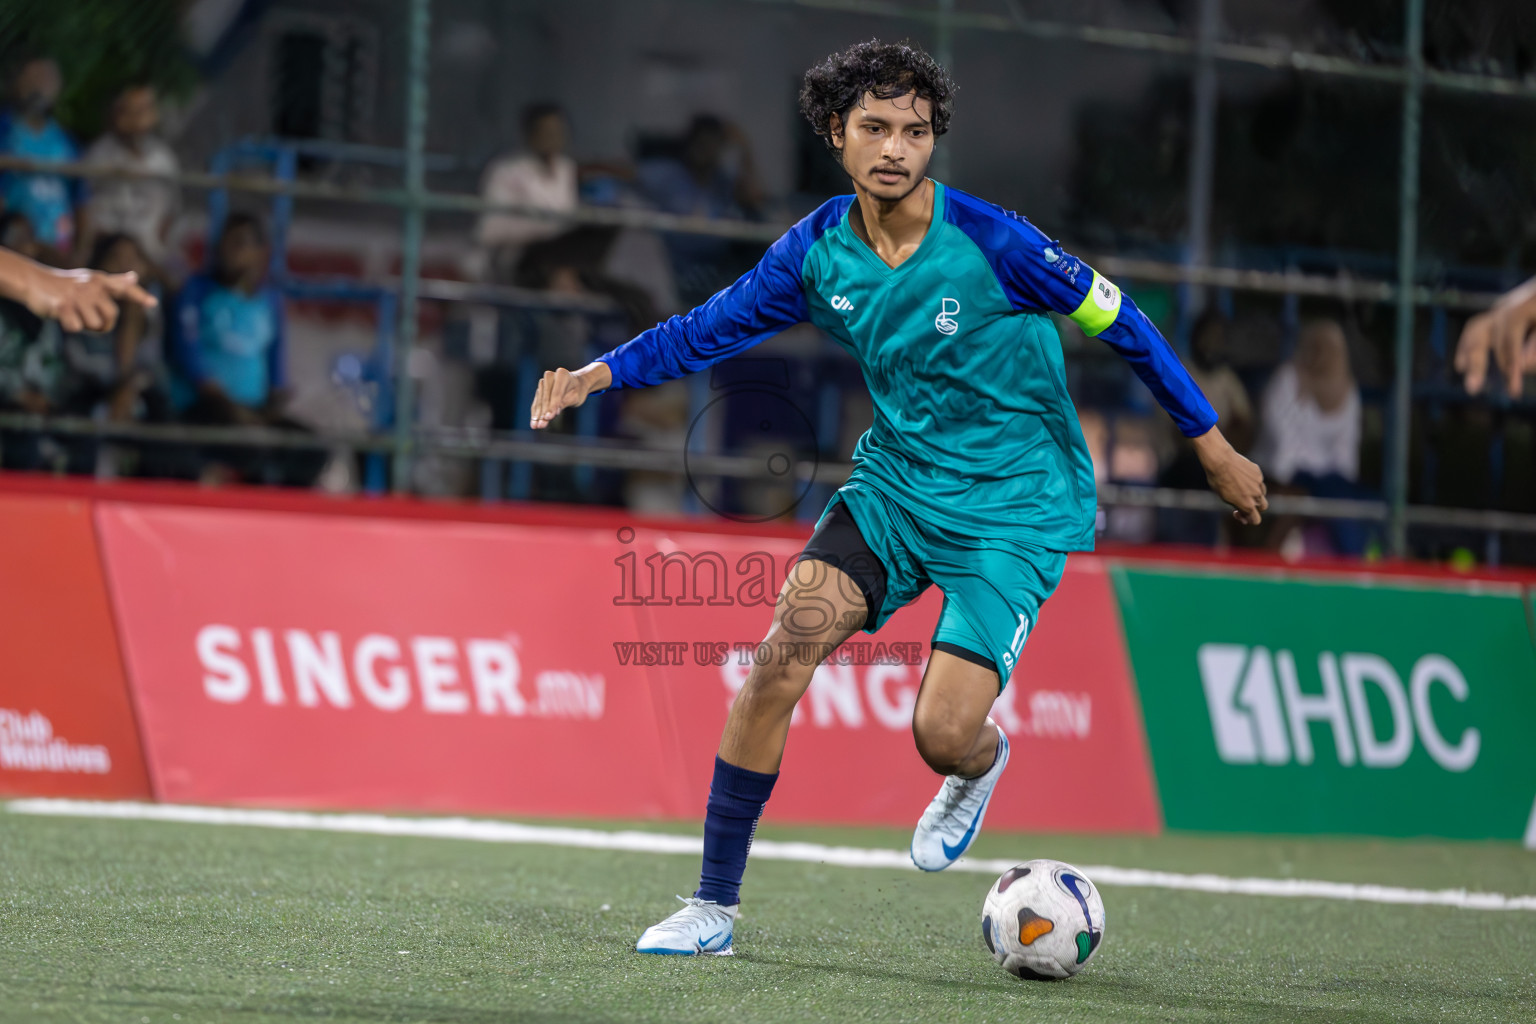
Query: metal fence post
[[1202, 159], [410, 268], [944, 53], [1407, 257]]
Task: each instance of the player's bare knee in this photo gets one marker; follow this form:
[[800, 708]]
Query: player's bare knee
[[774, 687], [943, 745]]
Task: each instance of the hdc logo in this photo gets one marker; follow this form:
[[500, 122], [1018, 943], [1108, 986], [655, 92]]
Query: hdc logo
[[1260, 714]]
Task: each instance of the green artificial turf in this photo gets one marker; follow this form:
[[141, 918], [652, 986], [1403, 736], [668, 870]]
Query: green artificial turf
[[143, 921]]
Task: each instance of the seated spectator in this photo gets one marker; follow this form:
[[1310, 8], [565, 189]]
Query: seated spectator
[[32, 380], [27, 130], [17, 235], [1309, 434], [1211, 367], [1311, 411], [140, 208], [121, 373], [543, 177], [229, 353], [712, 176], [1212, 371]]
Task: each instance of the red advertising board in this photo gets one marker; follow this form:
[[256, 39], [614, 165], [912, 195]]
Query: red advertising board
[[66, 726], [1079, 755], [288, 659]]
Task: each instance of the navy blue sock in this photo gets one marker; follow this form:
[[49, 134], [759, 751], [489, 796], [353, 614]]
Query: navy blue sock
[[736, 799]]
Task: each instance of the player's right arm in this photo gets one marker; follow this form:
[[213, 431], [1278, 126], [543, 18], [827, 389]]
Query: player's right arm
[[1507, 332], [81, 300], [764, 301]]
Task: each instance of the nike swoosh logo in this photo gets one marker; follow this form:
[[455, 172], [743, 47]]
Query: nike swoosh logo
[[951, 852], [712, 938]]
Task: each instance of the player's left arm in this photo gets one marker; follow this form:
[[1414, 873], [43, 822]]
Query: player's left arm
[[1048, 277]]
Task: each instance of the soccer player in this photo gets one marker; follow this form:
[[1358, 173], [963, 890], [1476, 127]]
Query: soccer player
[[974, 475]]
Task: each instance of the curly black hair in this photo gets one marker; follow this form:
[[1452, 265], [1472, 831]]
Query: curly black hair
[[885, 71]]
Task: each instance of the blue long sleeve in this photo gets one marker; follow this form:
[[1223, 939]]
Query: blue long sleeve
[[1038, 274], [764, 301]]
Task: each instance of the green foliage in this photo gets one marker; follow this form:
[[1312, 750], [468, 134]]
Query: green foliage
[[101, 46]]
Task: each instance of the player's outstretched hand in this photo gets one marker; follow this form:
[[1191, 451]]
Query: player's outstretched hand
[[84, 300], [563, 389], [1507, 332], [1238, 481]]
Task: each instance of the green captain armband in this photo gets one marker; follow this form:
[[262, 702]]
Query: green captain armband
[[1099, 307]]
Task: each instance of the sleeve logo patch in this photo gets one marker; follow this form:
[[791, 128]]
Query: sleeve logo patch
[[1105, 295], [1059, 260]]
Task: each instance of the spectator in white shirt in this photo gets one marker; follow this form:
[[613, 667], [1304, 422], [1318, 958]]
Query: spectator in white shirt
[[543, 177], [1311, 410], [1309, 441], [143, 209]]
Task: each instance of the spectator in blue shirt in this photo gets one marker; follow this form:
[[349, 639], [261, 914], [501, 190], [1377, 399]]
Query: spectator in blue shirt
[[229, 353], [50, 202], [228, 342], [712, 176]]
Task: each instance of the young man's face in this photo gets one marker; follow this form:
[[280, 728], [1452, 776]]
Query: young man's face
[[886, 144]]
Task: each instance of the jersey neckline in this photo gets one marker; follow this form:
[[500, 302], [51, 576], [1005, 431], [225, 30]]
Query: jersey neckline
[[923, 247]]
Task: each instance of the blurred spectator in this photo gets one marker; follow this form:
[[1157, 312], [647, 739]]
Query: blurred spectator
[[31, 362], [1211, 368], [122, 374], [16, 234], [27, 130], [229, 352], [140, 208], [229, 340], [713, 176], [32, 380], [544, 177], [1309, 439], [1311, 411]]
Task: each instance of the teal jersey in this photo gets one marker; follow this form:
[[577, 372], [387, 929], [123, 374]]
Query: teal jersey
[[973, 428]]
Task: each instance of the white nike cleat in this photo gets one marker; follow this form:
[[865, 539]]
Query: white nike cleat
[[700, 927], [954, 817]]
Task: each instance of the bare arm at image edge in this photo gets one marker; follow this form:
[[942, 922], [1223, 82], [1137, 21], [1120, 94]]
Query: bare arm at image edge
[[1507, 332], [81, 300]]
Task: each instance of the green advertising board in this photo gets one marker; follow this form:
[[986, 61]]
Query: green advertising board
[[1314, 704]]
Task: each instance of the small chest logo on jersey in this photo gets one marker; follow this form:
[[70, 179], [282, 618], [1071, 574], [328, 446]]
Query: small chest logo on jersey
[[841, 304], [945, 321]]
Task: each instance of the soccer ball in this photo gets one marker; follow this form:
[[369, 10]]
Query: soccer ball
[[1043, 920]]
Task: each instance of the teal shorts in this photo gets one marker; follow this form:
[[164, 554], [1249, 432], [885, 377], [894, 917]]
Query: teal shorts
[[992, 591]]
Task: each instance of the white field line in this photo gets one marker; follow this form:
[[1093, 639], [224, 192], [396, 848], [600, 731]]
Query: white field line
[[762, 849]]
